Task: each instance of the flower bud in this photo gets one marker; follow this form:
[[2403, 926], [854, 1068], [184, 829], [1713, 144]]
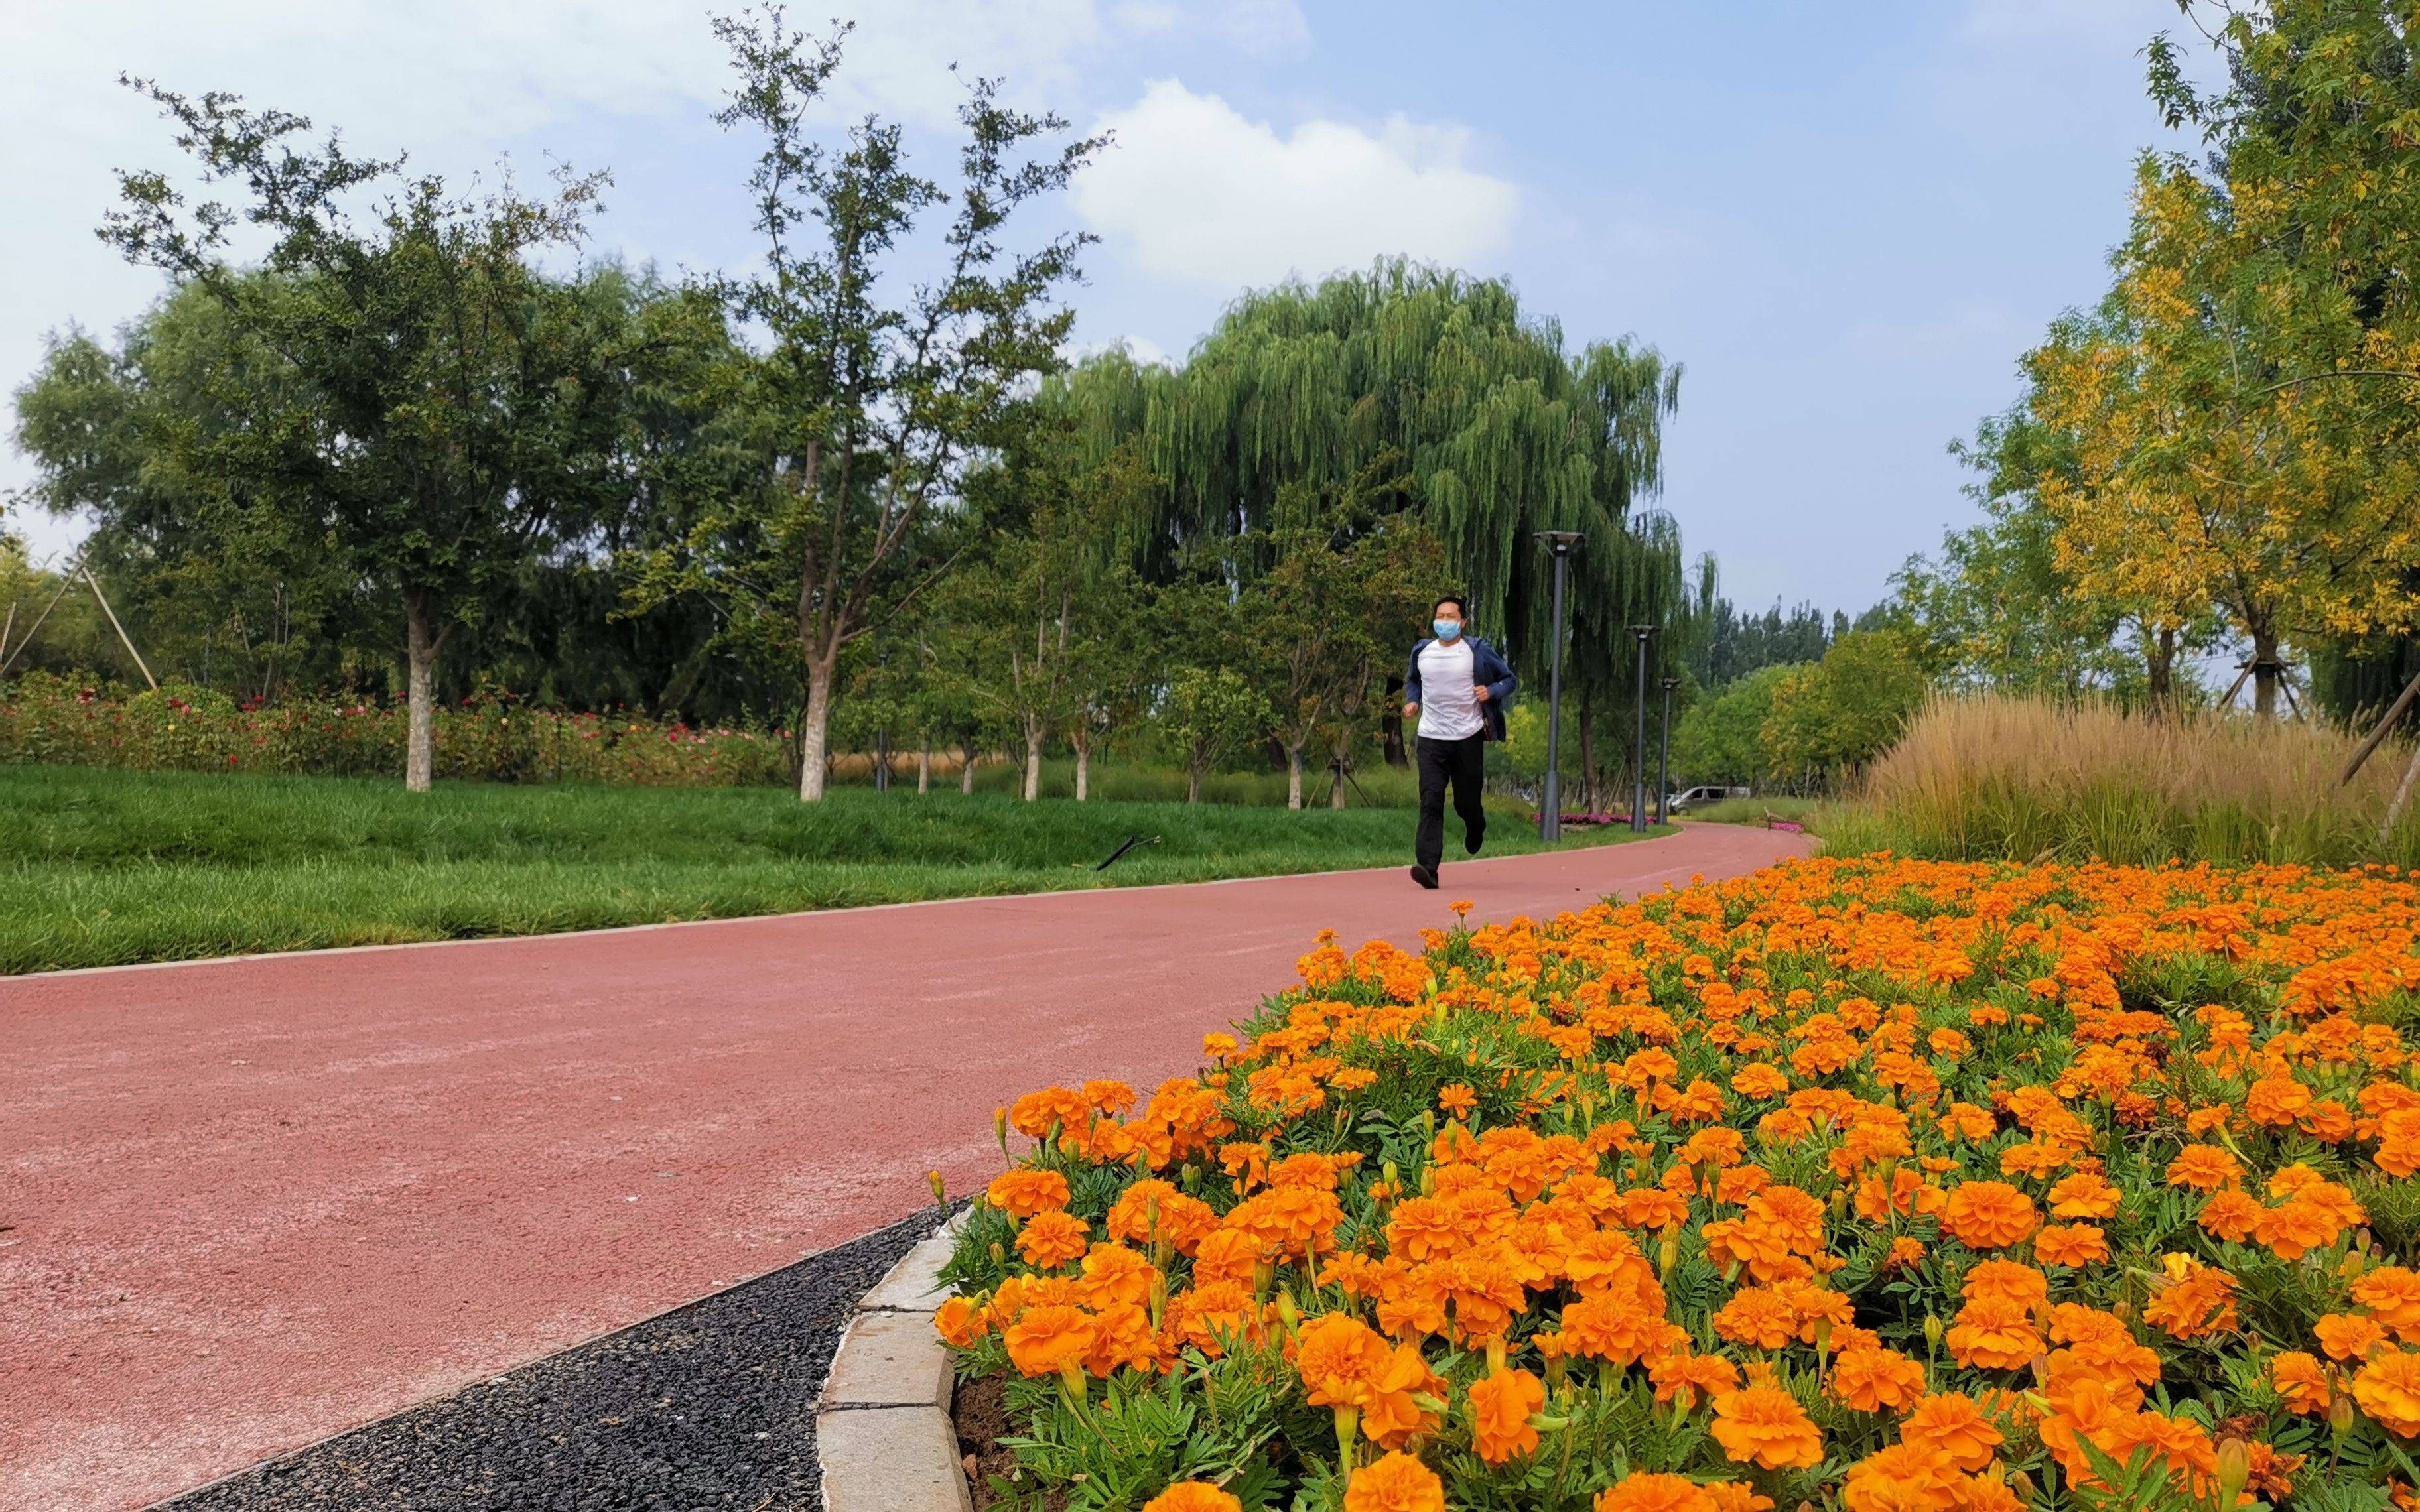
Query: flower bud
[[1000, 1129], [2234, 1470], [2340, 1416], [941, 1193], [1933, 1330]]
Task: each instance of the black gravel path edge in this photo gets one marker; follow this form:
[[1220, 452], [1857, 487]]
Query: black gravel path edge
[[708, 1408]]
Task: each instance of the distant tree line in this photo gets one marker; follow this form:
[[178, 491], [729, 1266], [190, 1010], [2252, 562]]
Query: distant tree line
[[853, 492]]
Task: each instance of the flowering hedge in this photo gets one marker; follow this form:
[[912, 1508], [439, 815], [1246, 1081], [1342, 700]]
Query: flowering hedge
[[491, 738], [1856, 1182]]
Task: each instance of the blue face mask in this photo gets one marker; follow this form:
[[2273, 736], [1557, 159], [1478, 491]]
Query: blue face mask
[[1445, 629]]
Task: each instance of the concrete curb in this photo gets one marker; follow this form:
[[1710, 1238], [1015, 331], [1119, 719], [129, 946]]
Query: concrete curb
[[884, 1433]]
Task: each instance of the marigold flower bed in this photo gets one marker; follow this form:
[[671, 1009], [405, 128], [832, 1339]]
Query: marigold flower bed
[[1861, 1182]]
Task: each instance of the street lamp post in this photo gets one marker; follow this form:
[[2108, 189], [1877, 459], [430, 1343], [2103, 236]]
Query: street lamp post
[[1560, 545], [1638, 779], [1664, 763]]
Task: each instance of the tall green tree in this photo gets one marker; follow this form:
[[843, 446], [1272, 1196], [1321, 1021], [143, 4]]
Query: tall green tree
[[875, 392], [1333, 614], [1501, 432], [434, 424]]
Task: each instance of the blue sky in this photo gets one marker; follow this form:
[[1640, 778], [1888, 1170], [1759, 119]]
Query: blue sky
[[1845, 220]]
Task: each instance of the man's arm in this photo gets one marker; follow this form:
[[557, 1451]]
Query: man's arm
[[1412, 684], [1502, 687]]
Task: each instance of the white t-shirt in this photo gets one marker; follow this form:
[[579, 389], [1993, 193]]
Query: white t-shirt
[[1449, 708]]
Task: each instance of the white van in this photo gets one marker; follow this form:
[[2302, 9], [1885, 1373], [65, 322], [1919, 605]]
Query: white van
[[1697, 797]]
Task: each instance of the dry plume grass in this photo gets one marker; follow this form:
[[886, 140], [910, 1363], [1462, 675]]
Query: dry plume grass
[[2022, 779]]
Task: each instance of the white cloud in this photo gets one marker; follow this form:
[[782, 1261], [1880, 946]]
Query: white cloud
[[1194, 191], [457, 82], [1141, 349]]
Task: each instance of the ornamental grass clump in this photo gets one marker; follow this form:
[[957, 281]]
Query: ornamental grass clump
[[1867, 1183]]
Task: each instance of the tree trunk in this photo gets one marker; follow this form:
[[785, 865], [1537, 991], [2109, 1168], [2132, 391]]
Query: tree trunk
[[2264, 676], [1336, 793], [2160, 672], [1294, 777], [923, 767], [966, 766], [420, 642], [1193, 781], [816, 728], [1033, 734], [1084, 766]]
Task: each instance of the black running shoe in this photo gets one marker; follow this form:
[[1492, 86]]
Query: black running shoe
[[1473, 838], [1426, 876]]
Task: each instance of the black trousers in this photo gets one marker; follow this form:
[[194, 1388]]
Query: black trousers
[[1464, 761]]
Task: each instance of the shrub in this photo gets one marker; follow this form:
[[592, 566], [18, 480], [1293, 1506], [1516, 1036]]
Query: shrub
[[491, 738], [2018, 778], [1867, 1184]]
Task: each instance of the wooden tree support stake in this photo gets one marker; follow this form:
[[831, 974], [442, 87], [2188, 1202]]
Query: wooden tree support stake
[[2394, 712], [66, 580], [93, 583], [2402, 796]]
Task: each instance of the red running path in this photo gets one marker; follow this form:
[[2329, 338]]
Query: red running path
[[258, 1201]]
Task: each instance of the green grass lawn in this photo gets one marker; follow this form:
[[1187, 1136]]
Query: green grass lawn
[[100, 868], [1808, 811]]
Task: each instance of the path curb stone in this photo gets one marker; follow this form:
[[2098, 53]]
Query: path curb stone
[[882, 1429]]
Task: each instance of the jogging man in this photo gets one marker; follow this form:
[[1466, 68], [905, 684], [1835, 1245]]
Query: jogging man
[[1456, 690]]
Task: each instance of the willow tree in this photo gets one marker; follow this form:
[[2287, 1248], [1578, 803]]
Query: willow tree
[[1500, 430]]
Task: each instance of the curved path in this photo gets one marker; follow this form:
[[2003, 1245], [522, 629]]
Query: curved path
[[246, 1204]]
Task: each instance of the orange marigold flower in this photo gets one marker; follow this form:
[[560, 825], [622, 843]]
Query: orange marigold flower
[[1759, 1318], [1765, 1425], [1193, 1496], [1901, 1477], [1993, 1334], [1047, 1341], [2388, 1390], [960, 1323], [1690, 1379], [1395, 1482], [1501, 1408], [2085, 1194], [2391, 1294], [2291, 1227], [1737, 1496], [2071, 1245], [2276, 1101], [1024, 1193], [2198, 1300], [2302, 1380], [1647, 1492], [1457, 1099], [1952, 1425], [2203, 1167], [2231, 1216], [1051, 1240], [2348, 1337], [1872, 1380], [1987, 1214]]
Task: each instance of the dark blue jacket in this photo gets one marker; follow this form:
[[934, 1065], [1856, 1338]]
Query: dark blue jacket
[[1488, 669]]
